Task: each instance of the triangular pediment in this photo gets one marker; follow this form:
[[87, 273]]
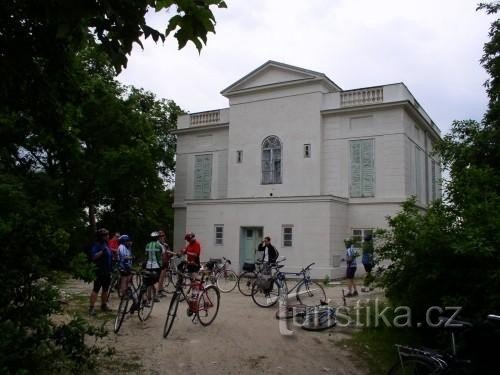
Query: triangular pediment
[[273, 74]]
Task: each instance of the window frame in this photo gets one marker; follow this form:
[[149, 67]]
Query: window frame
[[364, 231], [287, 242], [275, 161], [307, 151], [221, 232]]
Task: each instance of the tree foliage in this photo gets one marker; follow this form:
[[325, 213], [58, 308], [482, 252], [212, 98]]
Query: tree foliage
[[449, 255], [75, 145]]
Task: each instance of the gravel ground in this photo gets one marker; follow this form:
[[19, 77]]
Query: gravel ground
[[243, 339]]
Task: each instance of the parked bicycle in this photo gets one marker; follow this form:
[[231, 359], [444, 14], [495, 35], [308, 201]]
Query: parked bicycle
[[137, 298], [219, 274], [265, 293], [251, 272], [315, 318], [429, 361], [203, 307]]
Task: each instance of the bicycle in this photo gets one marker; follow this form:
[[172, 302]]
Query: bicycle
[[265, 293], [221, 275], [114, 283], [414, 360], [142, 298], [251, 272], [170, 279], [204, 307]]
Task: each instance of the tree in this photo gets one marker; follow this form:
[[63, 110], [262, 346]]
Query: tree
[[59, 153]]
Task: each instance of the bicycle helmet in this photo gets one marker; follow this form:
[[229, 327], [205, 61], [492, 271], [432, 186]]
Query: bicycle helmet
[[155, 234], [124, 238], [189, 236]]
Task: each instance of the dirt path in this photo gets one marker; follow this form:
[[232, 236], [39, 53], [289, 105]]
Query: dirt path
[[243, 339]]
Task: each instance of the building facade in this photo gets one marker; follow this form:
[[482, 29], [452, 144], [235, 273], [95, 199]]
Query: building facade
[[299, 159]]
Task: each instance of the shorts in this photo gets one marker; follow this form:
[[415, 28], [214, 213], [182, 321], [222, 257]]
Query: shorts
[[152, 276], [102, 281], [350, 271], [188, 267], [368, 267]]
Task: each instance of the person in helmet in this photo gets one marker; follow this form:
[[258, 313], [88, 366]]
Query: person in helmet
[[192, 252], [153, 260], [125, 258], [192, 265]]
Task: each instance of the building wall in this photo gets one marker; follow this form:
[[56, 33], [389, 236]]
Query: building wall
[[313, 225], [385, 127], [213, 142], [295, 120]]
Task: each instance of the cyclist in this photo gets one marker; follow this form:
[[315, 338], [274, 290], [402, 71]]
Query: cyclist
[[192, 252], [192, 265], [102, 257], [153, 260], [125, 262]]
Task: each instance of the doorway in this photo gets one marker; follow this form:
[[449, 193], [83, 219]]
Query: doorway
[[250, 237]]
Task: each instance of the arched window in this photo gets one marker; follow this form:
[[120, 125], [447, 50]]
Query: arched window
[[271, 160]]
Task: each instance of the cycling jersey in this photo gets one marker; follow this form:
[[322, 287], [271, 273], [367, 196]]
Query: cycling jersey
[[193, 252], [153, 254]]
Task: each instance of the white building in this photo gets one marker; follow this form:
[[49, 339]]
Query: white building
[[299, 159]]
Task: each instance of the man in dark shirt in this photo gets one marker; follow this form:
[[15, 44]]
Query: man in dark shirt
[[102, 258]]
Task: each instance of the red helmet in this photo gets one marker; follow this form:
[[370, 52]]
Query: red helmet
[[189, 236]]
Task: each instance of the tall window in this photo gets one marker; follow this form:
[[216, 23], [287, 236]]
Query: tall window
[[287, 235], [219, 234], [202, 176], [362, 168], [271, 160]]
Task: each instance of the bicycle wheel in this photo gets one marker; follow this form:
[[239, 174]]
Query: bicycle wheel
[[122, 311], [170, 282], [245, 281], [146, 303], [265, 297], [137, 280], [113, 285], [415, 366], [172, 313], [226, 281], [208, 305], [310, 293], [319, 319]]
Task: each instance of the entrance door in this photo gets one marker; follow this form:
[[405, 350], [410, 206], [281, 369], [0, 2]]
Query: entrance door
[[250, 237]]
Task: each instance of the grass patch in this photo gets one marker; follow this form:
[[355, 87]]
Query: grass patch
[[373, 346]]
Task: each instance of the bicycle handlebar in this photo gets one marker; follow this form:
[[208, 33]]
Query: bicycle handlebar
[[308, 267]]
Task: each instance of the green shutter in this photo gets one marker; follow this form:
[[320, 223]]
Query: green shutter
[[418, 173], [355, 169], [367, 169], [202, 176], [362, 168]]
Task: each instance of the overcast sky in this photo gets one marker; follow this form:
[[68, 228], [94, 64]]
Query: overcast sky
[[433, 46]]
